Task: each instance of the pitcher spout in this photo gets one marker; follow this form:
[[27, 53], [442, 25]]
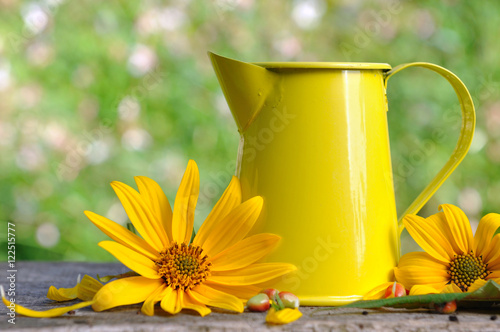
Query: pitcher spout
[[245, 86]]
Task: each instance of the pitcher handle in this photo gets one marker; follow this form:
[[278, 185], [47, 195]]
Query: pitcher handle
[[464, 141]]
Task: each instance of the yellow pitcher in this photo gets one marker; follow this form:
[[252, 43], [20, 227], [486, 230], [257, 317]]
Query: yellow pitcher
[[314, 144]]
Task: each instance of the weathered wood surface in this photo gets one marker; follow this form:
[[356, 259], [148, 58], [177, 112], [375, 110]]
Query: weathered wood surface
[[34, 278]]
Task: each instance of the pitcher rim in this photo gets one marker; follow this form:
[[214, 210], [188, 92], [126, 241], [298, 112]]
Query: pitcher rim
[[324, 65]]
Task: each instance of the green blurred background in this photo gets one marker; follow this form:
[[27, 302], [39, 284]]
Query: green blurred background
[[97, 91]]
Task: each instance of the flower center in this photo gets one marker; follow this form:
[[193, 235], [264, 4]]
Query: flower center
[[467, 268], [183, 266]]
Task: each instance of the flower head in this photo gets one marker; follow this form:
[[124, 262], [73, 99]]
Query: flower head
[[452, 254], [218, 268]]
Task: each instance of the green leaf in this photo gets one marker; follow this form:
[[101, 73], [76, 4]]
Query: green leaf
[[490, 292], [415, 301], [278, 301]]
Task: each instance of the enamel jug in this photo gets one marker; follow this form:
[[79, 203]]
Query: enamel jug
[[314, 144]]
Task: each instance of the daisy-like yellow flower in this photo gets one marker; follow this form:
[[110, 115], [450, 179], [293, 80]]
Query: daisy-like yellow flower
[[452, 254], [217, 269]]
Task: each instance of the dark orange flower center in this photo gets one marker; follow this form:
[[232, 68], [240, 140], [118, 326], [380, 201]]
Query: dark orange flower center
[[183, 266], [466, 268]]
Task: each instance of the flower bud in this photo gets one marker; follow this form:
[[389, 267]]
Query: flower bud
[[289, 300], [395, 290], [270, 292], [259, 303], [446, 308]]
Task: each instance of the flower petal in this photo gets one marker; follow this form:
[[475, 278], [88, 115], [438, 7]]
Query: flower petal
[[426, 289], [131, 259], [423, 259], [158, 203], [252, 274], [148, 307], [423, 290], [230, 199], [125, 291], [441, 225], [378, 292], [234, 227], [49, 313], [428, 237], [451, 288], [180, 298], [245, 252], [140, 215], [478, 283], [212, 297], [459, 226], [420, 268], [491, 254], [191, 303], [283, 316], [63, 294], [242, 292], [88, 288], [172, 301], [485, 231], [84, 290], [185, 204], [122, 235], [43, 314]]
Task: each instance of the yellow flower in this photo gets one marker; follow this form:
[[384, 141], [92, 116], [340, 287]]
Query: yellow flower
[[283, 316], [452, 254], [218, 268]]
